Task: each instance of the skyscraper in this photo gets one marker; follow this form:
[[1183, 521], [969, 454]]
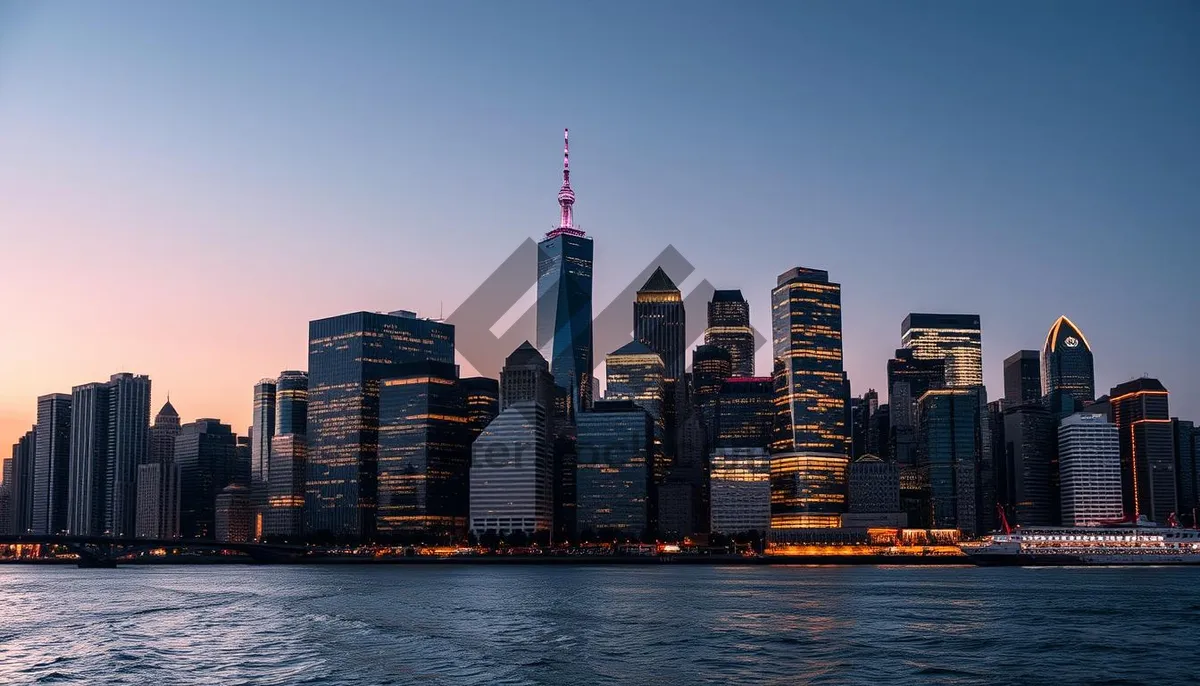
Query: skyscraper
[[21, 496], [483, 401], [1141, 412], [909, 377], [158, 500], [262, 431], [564, 297], [206, 452], [52, 464], [1067, 362], [948, 457], [1089, 459], [711, 365], [1031, 465], [128, 447], [635, 372], [659, 322], [1022, 377], [88, 460], [729, 329], [283, 515], [740, 466], [348, 356], [234, 512], [424, 453], [291, 405], [954, 338], [511, 473], [808, 460], [525, 378], [162, 434], [1186, 453], [615, 482]]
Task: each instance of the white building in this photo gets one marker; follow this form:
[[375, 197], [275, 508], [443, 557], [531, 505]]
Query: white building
[[1089, 466], [740, 490], [512, 473]]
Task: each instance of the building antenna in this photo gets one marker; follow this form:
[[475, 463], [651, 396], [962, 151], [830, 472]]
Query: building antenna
[[566, 196]]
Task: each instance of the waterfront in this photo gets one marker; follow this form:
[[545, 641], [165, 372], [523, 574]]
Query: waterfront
[[584, 625]]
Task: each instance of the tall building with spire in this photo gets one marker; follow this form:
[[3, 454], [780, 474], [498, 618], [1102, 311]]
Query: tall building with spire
[[159, 478], [564, 297], [659, 322], [729, 328], [1067, 363]]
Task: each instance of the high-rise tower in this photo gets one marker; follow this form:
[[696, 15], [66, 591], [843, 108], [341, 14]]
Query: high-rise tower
[[729, 328], [1067, 363], [659, 323], [955, 338], [564, 297]]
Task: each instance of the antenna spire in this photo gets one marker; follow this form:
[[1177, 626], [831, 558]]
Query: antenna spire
[[566, 196]]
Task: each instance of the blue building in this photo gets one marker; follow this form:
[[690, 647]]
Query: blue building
[[615, 487]]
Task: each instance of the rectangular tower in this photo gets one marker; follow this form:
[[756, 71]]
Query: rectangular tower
[[955, 338], [52, 464]]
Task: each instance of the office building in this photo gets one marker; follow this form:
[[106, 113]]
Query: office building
[[262, 430], [636, 373], [948, 458], [526, 378], [483, 401], [1067, 363], [1089, 460], [206, 452], [291, 406], [347, 358], [909, 377], [21, 494], [1141, 411], [711, 365], [424, 453], [284, 515], [1022, 377], [729, 329], [615, 486], [874, 494], [955, 338], [1031, 465], [863, 409], [88, 460], [234, 515], [128, 447], [564, 298], [52, 464], [808, 455], [162, 434], [158, 500], [740, 490], [1186, 447], [659, 322], [512, 473]]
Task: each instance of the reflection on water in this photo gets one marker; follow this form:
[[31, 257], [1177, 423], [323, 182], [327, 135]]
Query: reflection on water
[[558, 625]]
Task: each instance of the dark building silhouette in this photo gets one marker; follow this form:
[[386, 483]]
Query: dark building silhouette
[[711, 365], [615, 483], [564, 299], [284, 516], [483, 401], [291, 405], [948, 457], [1141, 411], [159, 479], [1187, 456], [162, 434], [909, 378], [955, 338], [262, 430], [21, 495], [1031, 465], [659, 322], [729, 329], [1022, 377], [206, 452], [234, 515], [808, 455], [86, 502], [52, 464], [874, 493], [862, 412], [526, 377], [348, 356], [1067, 363], [424, 453]]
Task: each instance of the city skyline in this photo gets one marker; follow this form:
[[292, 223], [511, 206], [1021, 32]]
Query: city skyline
[[121, 191]]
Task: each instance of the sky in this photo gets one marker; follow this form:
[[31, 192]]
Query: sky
[[184, 185]]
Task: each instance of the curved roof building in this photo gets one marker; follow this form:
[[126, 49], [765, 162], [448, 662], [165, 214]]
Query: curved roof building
[[1067, 362]]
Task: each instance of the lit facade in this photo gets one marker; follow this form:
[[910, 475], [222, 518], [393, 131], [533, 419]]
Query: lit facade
[[1089, 459], [948, 458], [158, 501], [659, 322], [1066, 362], [348, 357], [284, 514], [615, 486], [711, 365], [1141, 412], [729, 329], [512, 473], [635, 372], [955, 338], [483, 401], [1023, 377], [808, 461], [51, 467], [424, 453], [291, 405], [740, 490], [234, 515]]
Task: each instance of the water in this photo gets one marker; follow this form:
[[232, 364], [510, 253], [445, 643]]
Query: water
[[586, 625]]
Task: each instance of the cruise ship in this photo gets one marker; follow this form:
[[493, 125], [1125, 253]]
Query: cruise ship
[[1139, 542]]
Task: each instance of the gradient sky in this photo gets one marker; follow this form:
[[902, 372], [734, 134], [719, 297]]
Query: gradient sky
[[184, 185]]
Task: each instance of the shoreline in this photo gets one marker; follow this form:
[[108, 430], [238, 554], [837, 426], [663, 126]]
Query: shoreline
[[564, 560]]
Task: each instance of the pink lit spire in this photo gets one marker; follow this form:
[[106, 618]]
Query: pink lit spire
[[566, 196]]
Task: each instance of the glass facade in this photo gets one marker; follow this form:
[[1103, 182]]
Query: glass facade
[[729, 328], [284, 515], [740, 490], [483, 401], [948, 458], [263, 427], [1141, 411], [808, 462], [1031, 465], [1023, 377], [564, 310], [21, 495], [615, 486], [955, 338], [745, 413], [874, 486], [512, 473], [158, 501], [659, 322], [291, 404], [348, 357], [1185, 469], [634, 372], [206, 452], [424, 453], [89, 460], [1067, 363], [711, 365]]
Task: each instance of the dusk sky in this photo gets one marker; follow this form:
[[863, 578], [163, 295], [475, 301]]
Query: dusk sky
[[183, 186]]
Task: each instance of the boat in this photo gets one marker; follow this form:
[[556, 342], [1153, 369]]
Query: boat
[[1127, 541]]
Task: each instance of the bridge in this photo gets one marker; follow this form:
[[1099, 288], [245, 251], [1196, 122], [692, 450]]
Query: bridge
[[104, 551]]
